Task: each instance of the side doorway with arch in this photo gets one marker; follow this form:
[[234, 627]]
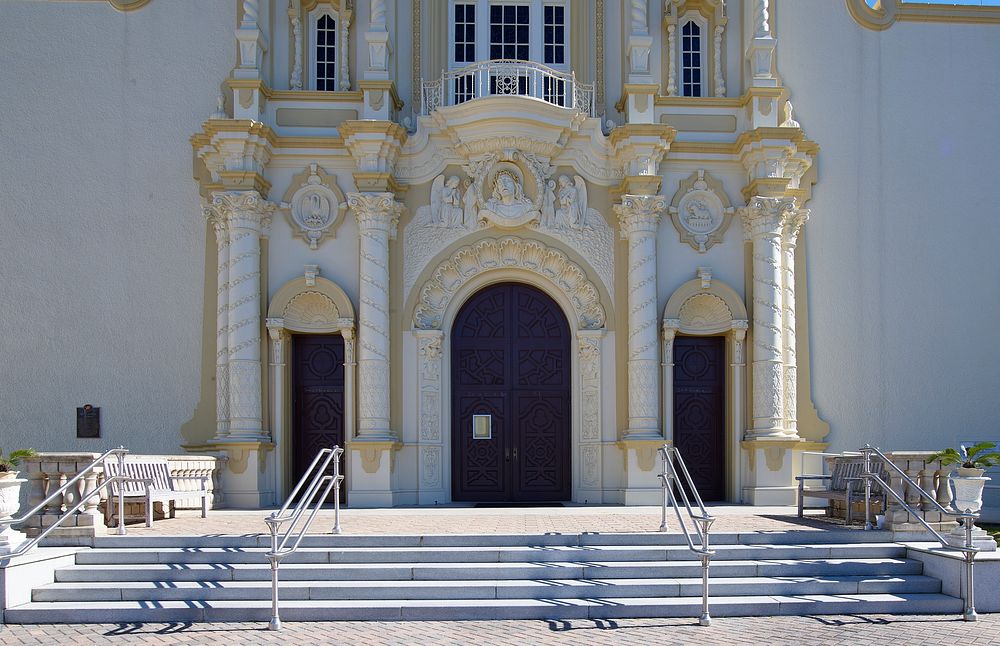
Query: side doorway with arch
[[510, 397]]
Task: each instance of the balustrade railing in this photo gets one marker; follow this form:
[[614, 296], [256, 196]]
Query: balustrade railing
[[677, 483], [507, 78], [315, 493], [76, 493], [909, 496]]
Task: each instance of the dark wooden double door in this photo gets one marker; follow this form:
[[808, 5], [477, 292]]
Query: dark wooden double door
[[699, 411], [317, 399], [510, 361]]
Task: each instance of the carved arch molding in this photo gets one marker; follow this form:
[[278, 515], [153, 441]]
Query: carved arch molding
[[509, 252]]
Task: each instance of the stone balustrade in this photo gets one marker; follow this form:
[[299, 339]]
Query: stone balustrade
[[46, 472], [932, 478]]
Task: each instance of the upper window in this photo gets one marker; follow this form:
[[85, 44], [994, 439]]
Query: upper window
[[691, 59], [531, 30], [325, 67]]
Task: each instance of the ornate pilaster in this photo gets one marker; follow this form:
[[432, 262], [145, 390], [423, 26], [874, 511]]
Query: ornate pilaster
[[640, 43], [639, 216], [377, 38], [760, 53], [430, 436], [377, 215], [295, 18], [670, 328], [764, 221], [589, 347], [793, 225], [218, 221], [247, 218]]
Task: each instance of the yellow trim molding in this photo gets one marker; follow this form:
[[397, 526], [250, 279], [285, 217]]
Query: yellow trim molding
[[886, 12]]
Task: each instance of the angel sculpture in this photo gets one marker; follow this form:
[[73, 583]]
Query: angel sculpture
[[470, 204], [548, 219], [446, 202], [572, 211]]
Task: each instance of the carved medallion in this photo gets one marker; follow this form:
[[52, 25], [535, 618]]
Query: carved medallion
[[316, 206], [701, 211]]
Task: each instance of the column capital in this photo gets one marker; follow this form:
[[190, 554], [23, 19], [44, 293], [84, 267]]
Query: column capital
[[241, 210], [793, 226], [640, 213], [375, 211], [768, 215]]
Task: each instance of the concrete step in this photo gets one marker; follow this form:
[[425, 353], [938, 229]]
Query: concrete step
[[476, 554], [155, 591], [545, 570], [451, 609], [792, 537]]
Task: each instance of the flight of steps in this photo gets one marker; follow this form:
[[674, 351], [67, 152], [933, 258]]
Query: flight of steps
[[552, 576]]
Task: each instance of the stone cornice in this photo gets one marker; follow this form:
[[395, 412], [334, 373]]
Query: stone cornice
[[235, 153]]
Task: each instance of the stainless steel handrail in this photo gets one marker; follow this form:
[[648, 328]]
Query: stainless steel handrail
[[969, 550], [312, 497], [671, 458], [26, 546]]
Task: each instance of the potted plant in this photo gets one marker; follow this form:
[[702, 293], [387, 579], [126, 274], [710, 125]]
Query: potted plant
[[10, 497], [967, 480], [7, 463]]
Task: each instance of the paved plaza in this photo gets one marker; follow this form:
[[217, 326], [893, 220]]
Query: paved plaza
[[831, 629]]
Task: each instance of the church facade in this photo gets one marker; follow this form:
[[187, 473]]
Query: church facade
[[503, 250]]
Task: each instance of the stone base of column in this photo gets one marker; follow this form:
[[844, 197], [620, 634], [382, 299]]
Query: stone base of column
[[248, 476], [641, 481], [980, 538], [769, 469], [370, 473]]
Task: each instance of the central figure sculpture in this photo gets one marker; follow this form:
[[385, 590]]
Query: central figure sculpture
[[508, 205]]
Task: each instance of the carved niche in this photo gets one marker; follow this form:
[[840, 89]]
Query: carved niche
[[701, 211], [314, 204], [509, 189]]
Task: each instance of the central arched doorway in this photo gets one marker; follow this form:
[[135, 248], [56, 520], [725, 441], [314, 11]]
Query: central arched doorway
[[510, 393]]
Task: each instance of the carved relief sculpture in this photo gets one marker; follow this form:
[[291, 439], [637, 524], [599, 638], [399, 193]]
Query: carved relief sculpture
[[316, 207], [700, 211]]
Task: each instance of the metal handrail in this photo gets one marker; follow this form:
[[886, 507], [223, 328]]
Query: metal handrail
[[312, 497], [504, 77], [969, 550], [669, 481], [26, 546]]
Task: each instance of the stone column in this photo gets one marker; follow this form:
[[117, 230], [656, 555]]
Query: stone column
[[764, 221], [791, 233], [377, 215], [737, 337], [218, 221], [639, 216], [430, 436], [247, 218], [279, 342], [591, 415]]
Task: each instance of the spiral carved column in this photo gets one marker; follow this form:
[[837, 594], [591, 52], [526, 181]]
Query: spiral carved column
[[793, 225], [247, 218], [218, 222], [639, 216], [377, 215], [764, 219]]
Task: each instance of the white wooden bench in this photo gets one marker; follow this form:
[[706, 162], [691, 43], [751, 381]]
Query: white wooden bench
[[150, 482], [845, 483]]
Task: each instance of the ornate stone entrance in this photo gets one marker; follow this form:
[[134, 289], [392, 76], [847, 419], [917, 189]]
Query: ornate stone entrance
[[511, 382]]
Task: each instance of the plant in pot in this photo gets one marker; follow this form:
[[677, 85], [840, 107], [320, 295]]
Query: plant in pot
[[10, 497], [967, 480]]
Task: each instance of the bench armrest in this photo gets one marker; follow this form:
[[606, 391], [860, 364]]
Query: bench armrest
[[812, 477]]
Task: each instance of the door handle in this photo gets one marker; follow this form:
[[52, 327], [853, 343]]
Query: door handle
[[515, 453], [506, 454]]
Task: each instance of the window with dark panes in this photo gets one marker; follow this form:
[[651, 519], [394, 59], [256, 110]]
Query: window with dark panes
[[691, 59], [326, 53], [465, 33], [554, 34], [509, 32]]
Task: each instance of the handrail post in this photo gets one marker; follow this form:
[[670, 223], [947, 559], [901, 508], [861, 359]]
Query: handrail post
[[706, 558], [274, 557], [868, 489], [664, 452], [970, 582], [336, 491], [121, 492]]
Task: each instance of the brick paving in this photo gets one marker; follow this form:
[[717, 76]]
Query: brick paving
[[831, 629], [465, 520]]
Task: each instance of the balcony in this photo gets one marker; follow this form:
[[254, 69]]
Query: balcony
[[508, 78]]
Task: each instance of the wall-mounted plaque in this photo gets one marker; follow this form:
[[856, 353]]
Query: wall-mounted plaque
[[482, 427], [88, 421]]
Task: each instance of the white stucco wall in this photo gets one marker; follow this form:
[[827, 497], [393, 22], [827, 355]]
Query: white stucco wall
[[103, 251], [902, 242]]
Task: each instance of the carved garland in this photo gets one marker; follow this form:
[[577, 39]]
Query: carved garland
[[508, 253]]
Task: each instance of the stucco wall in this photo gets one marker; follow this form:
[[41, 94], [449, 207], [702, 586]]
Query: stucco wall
[[103, 250], [902, 242]]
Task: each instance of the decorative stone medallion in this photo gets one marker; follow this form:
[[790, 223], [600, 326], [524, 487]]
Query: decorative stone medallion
[[316, 206], [701, 211]]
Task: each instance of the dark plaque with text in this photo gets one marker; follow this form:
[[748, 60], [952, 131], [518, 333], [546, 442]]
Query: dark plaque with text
[[88, 421]]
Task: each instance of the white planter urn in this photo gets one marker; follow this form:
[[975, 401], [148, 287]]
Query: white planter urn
[[967, 489], [10, 494], [967, 495]]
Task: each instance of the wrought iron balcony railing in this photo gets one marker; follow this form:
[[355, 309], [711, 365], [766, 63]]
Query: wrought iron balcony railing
[[508, 78]]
